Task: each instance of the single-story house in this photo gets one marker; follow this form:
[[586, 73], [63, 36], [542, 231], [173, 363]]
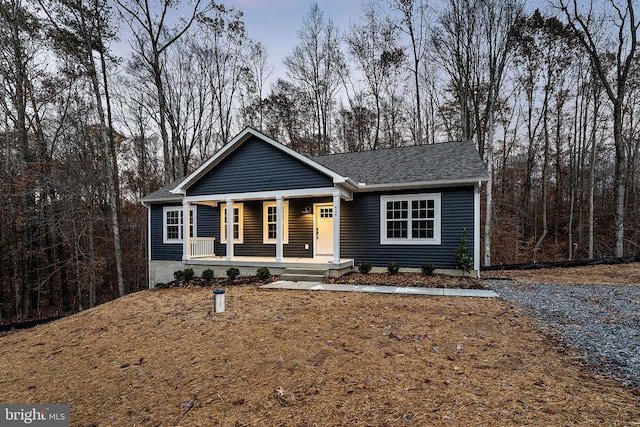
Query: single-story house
[[257, 203]]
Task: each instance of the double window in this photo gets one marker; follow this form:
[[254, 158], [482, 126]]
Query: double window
[[269, 222], [237, 222], [173, 224], [410, 219]]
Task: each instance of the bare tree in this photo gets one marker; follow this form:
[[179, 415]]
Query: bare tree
[[80, 30], [153, 35], [223, 54], [622, 18], [260, 70], [316, 65], [373, 46], [20, 27], [473, 43], [413, 22]]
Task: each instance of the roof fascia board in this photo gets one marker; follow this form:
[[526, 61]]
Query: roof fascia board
[[236, 142], [421, 184], [176, 199]]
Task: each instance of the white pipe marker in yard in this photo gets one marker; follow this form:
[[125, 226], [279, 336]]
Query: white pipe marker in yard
[[218, 297]]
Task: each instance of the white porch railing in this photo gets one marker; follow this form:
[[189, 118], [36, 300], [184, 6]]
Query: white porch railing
[[202, 246]]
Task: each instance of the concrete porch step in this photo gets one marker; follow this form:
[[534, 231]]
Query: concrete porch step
[[304, 274]]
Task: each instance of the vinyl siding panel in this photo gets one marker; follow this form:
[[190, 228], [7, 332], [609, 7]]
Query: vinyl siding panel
[[258, 166], [360, 231], [205, 221], [160, 251], [173, 252], [300, 232], [252, 245]]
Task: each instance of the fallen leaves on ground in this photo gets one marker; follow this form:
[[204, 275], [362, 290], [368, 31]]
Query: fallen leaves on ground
[[303, 358], [607, 274]]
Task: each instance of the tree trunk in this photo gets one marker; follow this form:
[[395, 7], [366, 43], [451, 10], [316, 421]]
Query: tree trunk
[[106, 151], [488, 191], [619, 180], [92, 266]]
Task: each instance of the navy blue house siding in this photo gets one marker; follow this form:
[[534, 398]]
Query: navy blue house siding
[[360, 231], [160, 251], [258, 166], [300, 232], [205, 222]]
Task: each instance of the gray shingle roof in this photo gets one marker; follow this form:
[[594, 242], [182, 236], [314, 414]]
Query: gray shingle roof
[[447, 162], [164, 194], [435, 163]]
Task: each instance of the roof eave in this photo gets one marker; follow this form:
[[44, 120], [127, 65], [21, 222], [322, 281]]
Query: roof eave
[[422, 184], [177, 199]]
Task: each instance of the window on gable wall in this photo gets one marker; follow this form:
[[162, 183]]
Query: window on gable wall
[[238, 225], [410, 219], [173, 224], [269, 222]]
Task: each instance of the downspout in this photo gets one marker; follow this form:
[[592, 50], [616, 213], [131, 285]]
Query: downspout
[[476, 227]]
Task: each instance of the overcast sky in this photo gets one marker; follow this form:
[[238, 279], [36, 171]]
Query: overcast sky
[[276, 22]]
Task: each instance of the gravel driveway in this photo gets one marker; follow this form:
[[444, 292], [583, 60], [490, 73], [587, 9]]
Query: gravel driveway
[[601, 321]]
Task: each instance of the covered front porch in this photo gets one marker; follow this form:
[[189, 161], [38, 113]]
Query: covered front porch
[[294, 228]]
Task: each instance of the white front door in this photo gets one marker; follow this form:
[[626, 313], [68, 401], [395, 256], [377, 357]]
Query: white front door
[[323, 219]]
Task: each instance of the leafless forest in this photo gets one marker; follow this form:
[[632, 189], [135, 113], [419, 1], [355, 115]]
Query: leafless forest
[[550, 96]]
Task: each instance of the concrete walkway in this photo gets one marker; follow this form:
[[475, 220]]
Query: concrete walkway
[[314, 286]]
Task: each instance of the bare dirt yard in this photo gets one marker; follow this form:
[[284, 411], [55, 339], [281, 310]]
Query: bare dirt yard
[[305, 358]]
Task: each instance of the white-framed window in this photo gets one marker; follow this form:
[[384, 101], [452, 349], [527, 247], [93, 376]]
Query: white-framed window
[[269, 222], [410, 219], [173, 224], [238, 209]]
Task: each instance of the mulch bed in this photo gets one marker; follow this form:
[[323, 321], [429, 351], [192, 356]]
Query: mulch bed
[[369, 279], [216, 282], [409, 280]]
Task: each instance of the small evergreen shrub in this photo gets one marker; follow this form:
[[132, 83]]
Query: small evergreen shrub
[[208, 275], [364, 268], [393, 268], [178, 274], [232, 273], [428, 268], [464, 261], [263, 273], [188, 274]]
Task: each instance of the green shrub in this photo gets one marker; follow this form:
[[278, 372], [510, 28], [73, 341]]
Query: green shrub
[[364, 267], [393, 268], [188, 274], [207, 275], [232, 273], [428, 268], [464, 261], [263, 273], [178, 274]]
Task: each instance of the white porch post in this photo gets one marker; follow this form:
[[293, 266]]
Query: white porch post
[[279, 231], [229, 209], [336, 228], [186, 236]]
